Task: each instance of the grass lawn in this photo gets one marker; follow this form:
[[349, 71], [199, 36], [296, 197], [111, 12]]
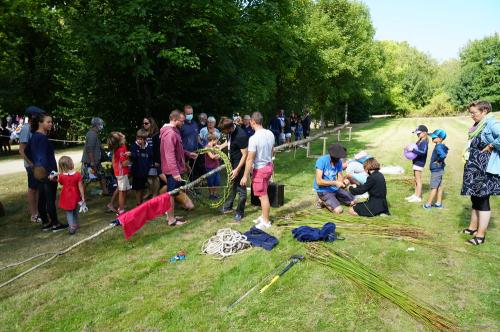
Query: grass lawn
[[113, 284]]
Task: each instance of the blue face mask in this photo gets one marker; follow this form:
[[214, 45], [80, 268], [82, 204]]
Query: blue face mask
[[189, 117]]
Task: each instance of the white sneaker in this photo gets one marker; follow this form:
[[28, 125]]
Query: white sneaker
[[415, 200], [263, 225], [258, 220], [410, 197], [363, 197]]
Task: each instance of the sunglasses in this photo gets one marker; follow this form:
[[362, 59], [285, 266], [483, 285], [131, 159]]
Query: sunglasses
[[145, 123]]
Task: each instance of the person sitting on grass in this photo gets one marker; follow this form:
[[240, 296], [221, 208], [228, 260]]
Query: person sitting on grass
[[142, 160], [329, 181], [212, 161], [375, 185], [437, 169]]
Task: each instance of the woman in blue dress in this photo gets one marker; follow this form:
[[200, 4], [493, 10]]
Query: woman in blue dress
[[482, 168]]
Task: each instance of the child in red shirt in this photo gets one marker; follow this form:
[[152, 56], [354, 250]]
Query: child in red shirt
[[117, 143], [72, 192]]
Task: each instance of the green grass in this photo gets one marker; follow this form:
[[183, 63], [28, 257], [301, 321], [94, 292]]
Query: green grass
[[113, 284]]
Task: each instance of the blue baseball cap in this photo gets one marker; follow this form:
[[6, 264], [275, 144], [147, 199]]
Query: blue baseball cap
[[34, 111], [439, 133]]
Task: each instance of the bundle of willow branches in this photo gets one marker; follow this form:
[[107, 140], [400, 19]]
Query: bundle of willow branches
[[362, 275], [386, 230]]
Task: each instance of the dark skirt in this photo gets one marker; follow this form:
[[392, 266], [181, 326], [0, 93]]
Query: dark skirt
[[476, 182], [373, 207]]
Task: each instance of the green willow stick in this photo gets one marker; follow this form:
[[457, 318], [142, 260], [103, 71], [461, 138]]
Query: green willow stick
[[360, 274]]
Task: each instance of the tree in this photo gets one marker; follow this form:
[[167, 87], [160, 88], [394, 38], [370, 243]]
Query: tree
[[479, 76]]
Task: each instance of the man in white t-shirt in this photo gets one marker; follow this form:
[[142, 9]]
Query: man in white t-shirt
[[260, 159]]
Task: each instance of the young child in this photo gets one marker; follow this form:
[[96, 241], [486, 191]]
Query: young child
[[142, 160], [72, 192], [437, 169], [419, 162], [117, 143], [375, 185], [299, 132], [212, 161]]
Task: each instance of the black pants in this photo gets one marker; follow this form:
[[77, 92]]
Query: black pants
[[480, 203], [236, 188], [47, 191]]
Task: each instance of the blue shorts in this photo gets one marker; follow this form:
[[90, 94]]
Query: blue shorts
[[214, 179], [32, 182], [173, 183]]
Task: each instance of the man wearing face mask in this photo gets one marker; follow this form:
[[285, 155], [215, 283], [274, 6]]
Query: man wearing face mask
[[191, 142], [92, 155], [328, 182]]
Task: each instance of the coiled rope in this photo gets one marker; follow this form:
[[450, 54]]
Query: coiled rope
[[226, 242]]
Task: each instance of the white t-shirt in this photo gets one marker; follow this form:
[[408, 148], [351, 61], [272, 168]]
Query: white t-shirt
[[261, 143]]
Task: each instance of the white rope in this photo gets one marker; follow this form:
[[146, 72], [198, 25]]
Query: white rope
[[225, 243]]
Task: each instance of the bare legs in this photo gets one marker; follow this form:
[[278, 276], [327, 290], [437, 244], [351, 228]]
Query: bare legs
[[418, 183]]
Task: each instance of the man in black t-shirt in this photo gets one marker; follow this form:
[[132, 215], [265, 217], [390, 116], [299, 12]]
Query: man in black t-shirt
[[237, 144]]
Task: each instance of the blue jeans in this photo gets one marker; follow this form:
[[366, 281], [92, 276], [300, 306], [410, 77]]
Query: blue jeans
[[72, 217], [214, 179]]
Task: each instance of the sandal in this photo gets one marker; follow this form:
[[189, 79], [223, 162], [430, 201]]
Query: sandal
[[110, 209], [177, 221], [476, 240], [469, 231]]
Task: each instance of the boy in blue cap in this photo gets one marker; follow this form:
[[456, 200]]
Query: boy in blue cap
[[437, 169]]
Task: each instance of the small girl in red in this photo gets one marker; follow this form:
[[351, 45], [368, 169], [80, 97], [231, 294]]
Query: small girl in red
[[121, 163], [72, 192]]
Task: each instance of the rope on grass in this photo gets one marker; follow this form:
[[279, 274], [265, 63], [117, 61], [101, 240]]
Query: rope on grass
[[25, 261], [103, 230], [226, 242]]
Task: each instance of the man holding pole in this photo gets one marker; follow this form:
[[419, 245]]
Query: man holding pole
[[260, 159]]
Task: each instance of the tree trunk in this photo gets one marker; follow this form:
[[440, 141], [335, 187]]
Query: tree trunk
[[345, 114]]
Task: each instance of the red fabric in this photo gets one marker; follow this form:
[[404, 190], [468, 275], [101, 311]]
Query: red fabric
[[70, 194], [260, 180], [120, 160], [171, 151], [134, 219]]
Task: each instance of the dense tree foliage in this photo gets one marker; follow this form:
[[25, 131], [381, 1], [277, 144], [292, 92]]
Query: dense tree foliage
[[126, 59]]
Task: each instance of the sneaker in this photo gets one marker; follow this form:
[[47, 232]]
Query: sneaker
[[115, 222], [119, 212], [226, 211], [36, 219], [263, 225], [59, 228], [427, 206], [438, 206], [237, 217], [410, 197], [415, 199], [47, 227], [258, 220]]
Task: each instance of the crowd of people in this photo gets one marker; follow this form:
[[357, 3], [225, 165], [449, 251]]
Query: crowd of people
[[158, 158], [10, 129], [155, 161]]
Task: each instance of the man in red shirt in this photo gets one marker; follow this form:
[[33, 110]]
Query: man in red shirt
[[173, 162]]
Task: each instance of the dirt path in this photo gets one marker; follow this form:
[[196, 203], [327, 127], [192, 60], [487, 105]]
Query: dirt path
[[17, 165]]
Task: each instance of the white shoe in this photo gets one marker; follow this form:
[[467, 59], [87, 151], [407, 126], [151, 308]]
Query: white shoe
[[410, 197], [263, 225], [258, 220], [362, 197], [415, 200]]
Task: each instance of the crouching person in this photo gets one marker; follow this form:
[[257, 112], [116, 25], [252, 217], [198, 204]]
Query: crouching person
[[375, 185], [329, 181]]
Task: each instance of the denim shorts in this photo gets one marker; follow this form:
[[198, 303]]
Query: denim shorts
[[436, 179]]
